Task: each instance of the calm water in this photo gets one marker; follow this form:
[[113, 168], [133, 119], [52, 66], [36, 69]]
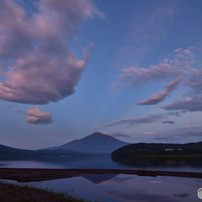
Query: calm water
[[119, 187], [106, 162]]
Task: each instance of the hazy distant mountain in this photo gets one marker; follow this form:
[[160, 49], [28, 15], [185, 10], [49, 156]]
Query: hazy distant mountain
[[4, 148], [96, 143], [10, 152]]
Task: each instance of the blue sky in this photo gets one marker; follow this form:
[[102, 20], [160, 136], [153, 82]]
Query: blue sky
[[131, 69]]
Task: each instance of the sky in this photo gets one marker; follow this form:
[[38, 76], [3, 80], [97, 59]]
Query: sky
[[128, 68]]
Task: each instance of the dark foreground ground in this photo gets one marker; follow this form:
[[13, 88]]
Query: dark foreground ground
[[33, 175], [15, 193]]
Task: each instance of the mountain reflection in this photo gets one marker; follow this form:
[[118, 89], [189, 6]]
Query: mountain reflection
[[100, 179]]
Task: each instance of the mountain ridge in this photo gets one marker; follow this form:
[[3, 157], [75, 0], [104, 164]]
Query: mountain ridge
[[126, 151], [159, 149], [96, 143]]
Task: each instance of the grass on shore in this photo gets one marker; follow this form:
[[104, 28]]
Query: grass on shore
[[14, 193]]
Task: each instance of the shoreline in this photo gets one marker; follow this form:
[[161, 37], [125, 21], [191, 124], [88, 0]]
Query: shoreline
[[13, 192], [33, 175]]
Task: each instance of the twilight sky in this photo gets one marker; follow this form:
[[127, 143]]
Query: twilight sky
[[129, 68]]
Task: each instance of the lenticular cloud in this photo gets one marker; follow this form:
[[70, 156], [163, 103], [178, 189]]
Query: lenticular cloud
[[36, 65]]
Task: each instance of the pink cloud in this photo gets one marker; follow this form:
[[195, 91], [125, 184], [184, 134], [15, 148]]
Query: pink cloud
[[136, 121], [171, 68], [185, 105], [193, 97], [154, 99], [195, 83], [36, 116], [173, 85], [159, 97], [40, 67], [179, 133], [118, 134]]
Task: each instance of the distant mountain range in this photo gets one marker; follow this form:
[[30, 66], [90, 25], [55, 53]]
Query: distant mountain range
[[9, 152], [96, 143], [102, 144]]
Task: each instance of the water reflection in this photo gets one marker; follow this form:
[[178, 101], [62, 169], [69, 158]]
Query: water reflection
[[168, 163], [124, 187], [120, 187], [100, 179]]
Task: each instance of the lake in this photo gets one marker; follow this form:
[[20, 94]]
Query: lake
[[120, 187]]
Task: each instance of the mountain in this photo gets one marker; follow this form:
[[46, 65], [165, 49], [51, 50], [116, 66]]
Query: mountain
[[158, 149], [96, 143], [10, 152]]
